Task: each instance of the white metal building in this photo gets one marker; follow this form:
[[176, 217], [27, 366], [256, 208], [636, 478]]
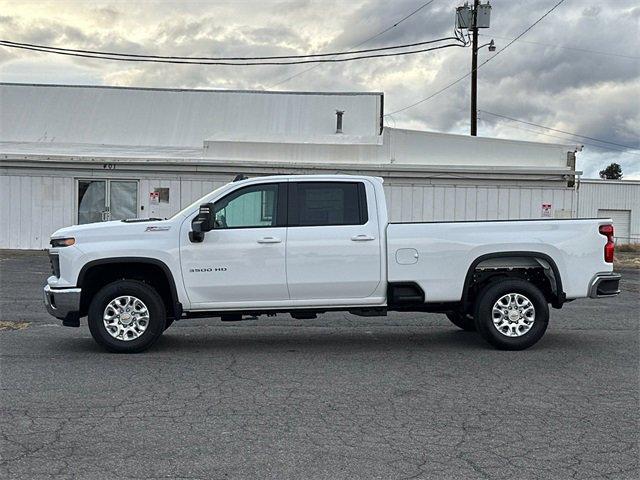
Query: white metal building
[[74, 154], [615, 199]]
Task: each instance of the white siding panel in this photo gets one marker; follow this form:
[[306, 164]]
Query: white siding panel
[[407, 203], [438, 203], [5, 208], [460, 207], [471, 203], [36, 212], [14, 214], [395, 211], [503, 204], [24, 238], [46, 210], [418, 194], [525, 204], [482, 197], [427, 203]]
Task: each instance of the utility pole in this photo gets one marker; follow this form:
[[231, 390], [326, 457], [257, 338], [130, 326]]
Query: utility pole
[[472, 18], [474, 70]]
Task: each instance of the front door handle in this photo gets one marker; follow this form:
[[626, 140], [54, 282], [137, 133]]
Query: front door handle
[[269, 240], [362, 238]]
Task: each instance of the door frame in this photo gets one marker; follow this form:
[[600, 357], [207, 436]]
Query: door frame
[[107, 193]]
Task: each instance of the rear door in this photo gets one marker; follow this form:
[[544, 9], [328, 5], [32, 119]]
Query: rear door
[[333, 241]]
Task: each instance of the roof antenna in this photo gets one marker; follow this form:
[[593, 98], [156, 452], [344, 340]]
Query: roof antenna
[[240, 177]]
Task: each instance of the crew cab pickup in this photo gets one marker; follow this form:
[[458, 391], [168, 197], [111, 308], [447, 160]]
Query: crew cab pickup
[[309, 244]]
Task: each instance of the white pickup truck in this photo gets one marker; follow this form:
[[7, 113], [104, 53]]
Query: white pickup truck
[[310, 244]]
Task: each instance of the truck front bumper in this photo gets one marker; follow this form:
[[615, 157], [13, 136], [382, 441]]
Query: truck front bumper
[[605, 285], [63, 303]]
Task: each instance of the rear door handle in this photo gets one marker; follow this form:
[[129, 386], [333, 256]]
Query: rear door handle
[[362, 238], [269, 240]]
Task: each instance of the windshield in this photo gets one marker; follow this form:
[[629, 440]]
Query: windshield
[[198, 202]]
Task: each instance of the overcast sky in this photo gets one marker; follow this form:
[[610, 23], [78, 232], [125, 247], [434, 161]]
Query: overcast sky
[[594, 93]]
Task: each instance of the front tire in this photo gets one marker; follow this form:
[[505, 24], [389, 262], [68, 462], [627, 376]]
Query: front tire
[[126, 316], [512, 314]]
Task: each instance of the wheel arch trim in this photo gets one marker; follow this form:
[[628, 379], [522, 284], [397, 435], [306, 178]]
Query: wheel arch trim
[[176, 306], [560, 296]]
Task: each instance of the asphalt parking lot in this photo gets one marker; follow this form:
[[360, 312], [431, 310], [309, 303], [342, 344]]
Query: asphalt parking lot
[[340, 397]]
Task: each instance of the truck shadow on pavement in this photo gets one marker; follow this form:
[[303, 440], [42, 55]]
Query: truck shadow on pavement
[[332, 342]]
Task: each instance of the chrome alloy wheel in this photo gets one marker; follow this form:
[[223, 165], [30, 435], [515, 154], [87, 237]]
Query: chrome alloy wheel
[[513, 315], [126, 318]]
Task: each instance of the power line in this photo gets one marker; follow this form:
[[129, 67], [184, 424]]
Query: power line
[[207, 62], [602, 147], [557, 130], [586, 50], [11, 44], [406, 17], [479, 66]]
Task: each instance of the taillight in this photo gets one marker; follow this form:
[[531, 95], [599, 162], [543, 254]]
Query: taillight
[[607, 231]]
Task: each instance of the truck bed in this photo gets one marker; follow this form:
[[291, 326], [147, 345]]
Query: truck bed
[[438, 255]]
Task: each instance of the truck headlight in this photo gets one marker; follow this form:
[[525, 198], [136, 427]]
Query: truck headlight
[[62, 242]]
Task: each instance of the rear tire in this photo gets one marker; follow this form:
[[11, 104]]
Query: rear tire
[[463, 321], [126, 316], [511, 314]]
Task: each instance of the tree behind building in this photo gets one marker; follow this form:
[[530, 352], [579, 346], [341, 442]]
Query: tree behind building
[[612, 172]]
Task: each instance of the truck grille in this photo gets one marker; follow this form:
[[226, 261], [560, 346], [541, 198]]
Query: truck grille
[[54, 260]]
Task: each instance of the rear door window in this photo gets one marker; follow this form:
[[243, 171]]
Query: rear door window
[[327, 203]]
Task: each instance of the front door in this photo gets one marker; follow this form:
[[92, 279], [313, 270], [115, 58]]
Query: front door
[[241, 262], [104, 200], [333, 242]]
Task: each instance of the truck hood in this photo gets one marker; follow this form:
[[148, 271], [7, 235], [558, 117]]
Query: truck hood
[[116, 229]]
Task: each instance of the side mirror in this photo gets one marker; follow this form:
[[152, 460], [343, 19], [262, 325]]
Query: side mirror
[[203, 222]]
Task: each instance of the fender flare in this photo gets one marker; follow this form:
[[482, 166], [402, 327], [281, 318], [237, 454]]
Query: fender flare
[[560, 296], [176, 306]]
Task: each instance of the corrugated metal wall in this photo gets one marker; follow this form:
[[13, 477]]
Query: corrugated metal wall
[[594, 195], [33, 207], [413, 203]]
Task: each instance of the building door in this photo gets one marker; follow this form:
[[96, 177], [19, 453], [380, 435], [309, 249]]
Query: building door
[[104, 200], [621, 223]]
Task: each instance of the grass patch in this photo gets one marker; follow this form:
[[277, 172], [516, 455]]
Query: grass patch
[[629, 247], [4, 325], [626, 259]]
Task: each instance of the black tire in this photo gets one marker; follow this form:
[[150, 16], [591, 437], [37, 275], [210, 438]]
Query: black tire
[[154, 327], [463, 321], [168, 322], [484, 314]]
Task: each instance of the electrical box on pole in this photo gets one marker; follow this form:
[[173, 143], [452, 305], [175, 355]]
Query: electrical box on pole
[[464, 17], [483, 15]]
